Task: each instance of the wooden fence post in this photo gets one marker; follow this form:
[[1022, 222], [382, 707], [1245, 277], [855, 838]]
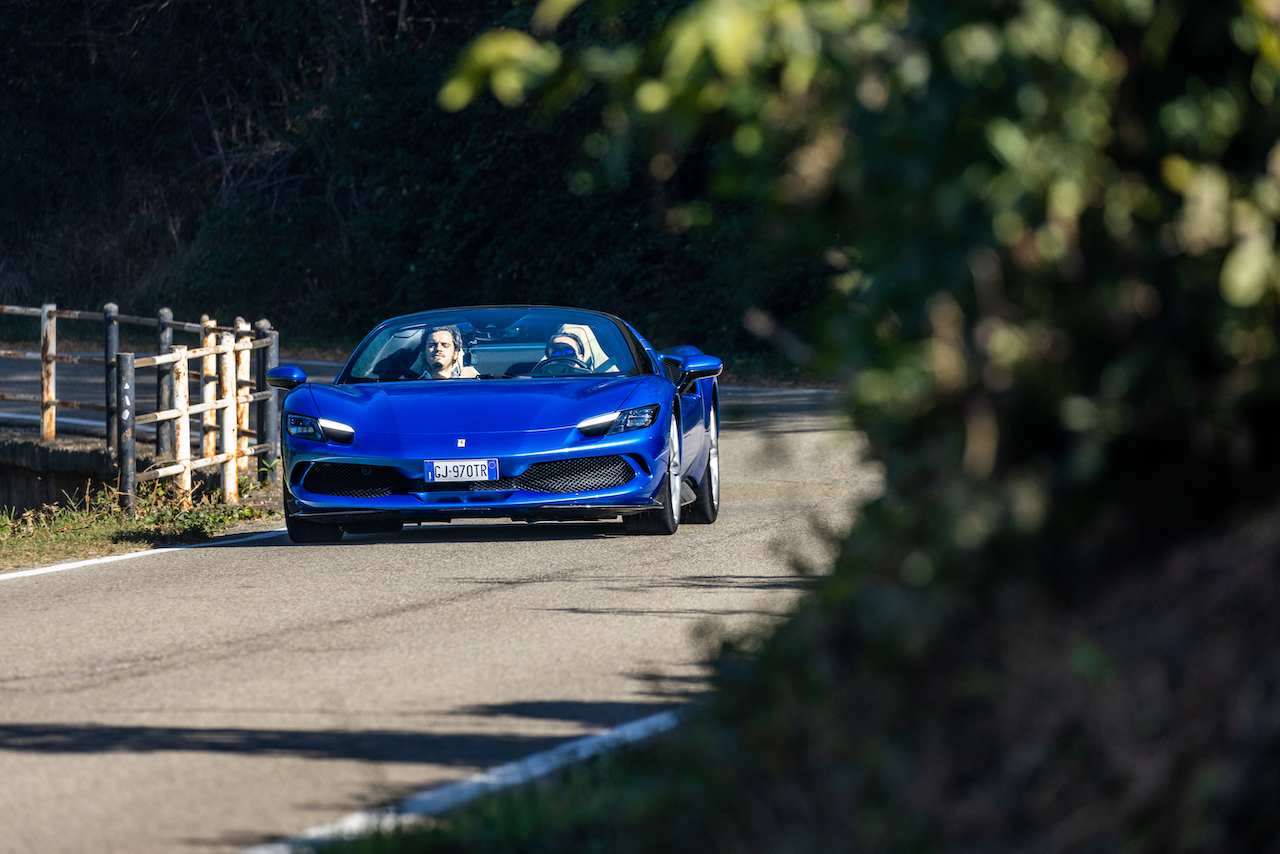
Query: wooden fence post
[[164, 385], [209, 390], [182, 426], [125, 457], [244, 379], [268, 413], [227, 394], [48, 375], [110, 347]]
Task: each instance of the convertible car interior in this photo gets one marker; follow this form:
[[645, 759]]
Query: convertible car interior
[[519, 350]]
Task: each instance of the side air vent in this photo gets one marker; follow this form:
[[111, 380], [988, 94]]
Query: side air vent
[[671, 367]]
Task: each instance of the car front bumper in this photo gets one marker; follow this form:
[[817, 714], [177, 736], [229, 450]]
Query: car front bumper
[[563, 480]]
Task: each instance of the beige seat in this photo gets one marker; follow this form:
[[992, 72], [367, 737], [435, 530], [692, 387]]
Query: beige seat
[[594, 355]]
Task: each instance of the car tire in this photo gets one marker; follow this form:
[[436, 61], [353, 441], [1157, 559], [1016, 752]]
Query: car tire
[[664, 519], [706, 503], [304, 531]]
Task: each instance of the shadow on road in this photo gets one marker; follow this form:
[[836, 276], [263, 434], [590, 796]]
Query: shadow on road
[[738, 582], [601, 714], [443, 532], [398, 746], [369, 745]]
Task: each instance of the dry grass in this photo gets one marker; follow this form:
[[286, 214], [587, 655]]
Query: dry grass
[[97, 527]]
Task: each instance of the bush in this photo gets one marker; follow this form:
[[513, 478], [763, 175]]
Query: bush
[[1050, 234]]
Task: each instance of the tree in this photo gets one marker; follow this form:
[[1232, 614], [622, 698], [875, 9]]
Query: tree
[[1051, 232]]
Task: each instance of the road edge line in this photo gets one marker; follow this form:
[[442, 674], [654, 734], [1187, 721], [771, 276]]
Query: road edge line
[[434, 801], [77, 564]]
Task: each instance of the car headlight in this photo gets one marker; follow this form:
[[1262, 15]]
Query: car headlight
[[304, 427], [634, 419], [620, 422], [319, 430]]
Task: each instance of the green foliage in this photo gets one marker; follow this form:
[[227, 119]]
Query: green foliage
[[1036, 239], [1049, 227]]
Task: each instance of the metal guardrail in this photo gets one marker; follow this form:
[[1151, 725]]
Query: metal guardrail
[[228, 385]]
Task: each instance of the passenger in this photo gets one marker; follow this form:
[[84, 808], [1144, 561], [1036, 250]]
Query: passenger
[[566, 344], [444, 355], [592, 354]]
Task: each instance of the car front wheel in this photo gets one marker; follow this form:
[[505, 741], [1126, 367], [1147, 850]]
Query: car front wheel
[[664, 519], [304, 531], [706, 503]]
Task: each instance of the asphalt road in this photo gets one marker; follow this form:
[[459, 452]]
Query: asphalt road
[[204, 700]]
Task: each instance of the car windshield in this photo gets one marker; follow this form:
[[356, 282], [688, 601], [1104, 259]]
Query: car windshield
[[493, 343]]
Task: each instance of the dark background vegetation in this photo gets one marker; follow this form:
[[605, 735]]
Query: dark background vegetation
[[1035, 239], [1049, 227], [289, 161]]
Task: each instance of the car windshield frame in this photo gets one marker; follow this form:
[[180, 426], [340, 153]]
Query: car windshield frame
[[500, 343]]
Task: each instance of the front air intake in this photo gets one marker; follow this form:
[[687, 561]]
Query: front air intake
[[580, 474]]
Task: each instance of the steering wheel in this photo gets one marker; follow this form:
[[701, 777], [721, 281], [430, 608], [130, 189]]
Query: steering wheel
[[559, 366]]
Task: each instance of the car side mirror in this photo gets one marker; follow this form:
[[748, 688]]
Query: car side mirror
[[694, 368], [286, 377]]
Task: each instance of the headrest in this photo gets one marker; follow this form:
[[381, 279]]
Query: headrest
[[593, 355]]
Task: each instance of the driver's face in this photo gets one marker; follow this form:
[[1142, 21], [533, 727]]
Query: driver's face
[[440, 350], [567, 344]]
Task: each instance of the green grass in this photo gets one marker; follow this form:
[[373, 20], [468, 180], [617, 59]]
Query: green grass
[[97, 526]]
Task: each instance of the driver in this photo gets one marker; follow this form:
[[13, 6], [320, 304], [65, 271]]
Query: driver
[[444, 355]]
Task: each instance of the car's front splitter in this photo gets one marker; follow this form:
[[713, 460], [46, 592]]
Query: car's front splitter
[[525, 513]]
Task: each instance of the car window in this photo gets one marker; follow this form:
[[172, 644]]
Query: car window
[[501, 343]]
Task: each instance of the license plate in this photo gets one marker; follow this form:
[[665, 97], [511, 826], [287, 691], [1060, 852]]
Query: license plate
[[437, 471]]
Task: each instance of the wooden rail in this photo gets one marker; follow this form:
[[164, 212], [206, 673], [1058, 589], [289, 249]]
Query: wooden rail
[[111, 318], [228, 388], [230, 448]]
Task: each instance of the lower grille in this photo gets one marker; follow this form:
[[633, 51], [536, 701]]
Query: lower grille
[[355, 481], [576, 475], [583, 474]]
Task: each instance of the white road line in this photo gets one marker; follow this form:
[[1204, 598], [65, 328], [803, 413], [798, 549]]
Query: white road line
[[444, 798], [77, 564]]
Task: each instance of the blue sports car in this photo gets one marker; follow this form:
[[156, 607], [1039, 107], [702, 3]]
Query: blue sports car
[[522, 412]]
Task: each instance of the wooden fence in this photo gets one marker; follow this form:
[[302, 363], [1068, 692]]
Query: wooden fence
[[228, 386]]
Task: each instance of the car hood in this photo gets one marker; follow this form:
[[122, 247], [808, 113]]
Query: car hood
[[438, 407]]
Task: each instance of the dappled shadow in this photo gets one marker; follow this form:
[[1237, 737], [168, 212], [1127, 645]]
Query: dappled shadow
[[508, 532], [738, 582], [602, 714], [443, 532], [671, 612], [385, 745], [703, 582], [466, 749], [406, 746]]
